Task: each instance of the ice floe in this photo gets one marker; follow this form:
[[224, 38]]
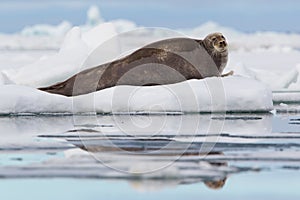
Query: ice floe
[[270, 59]]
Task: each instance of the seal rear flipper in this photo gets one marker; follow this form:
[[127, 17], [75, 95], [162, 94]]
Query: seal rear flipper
[[59, 88]]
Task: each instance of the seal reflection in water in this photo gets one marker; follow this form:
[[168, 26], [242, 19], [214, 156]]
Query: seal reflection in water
[[144, 152], [164, 62]]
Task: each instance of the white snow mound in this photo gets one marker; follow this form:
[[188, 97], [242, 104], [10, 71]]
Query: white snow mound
[[214, 94], [74, 51]]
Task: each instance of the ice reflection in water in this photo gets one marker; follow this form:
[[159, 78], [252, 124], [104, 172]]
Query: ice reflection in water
[[147, 150]]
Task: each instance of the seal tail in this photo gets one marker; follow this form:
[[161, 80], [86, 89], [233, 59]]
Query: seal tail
[[58, 88]]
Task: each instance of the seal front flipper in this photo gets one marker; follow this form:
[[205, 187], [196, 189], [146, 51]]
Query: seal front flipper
[[228, 74]]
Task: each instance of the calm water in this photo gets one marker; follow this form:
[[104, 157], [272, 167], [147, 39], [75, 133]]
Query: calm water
[[150, 156]]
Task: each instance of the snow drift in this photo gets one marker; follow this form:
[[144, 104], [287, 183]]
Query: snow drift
[[208, 95]]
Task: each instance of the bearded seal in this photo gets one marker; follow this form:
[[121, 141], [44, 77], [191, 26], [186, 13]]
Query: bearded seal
[[164, 62]]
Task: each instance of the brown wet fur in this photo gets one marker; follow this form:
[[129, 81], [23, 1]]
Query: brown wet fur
[[163, 62]]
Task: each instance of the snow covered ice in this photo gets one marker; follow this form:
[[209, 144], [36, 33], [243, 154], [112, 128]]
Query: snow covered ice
[[263, 62], [189, 96]]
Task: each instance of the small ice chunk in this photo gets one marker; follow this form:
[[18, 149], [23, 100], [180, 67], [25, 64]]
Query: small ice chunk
[[283, 105], [4, 80], [48, 30], [93, 16]]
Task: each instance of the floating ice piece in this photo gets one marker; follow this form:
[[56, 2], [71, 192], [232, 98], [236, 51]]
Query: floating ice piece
[[46, 29], [93, 16], [286, 96], [214, 94], [4, 79]]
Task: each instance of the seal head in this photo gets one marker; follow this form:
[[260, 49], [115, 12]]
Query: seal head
[[217, 47], [216, 42]]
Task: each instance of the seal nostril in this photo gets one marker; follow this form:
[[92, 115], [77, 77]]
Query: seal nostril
[[223, 43]]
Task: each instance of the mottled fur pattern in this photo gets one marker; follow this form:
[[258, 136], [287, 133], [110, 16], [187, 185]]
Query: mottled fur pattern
[[163, 62]]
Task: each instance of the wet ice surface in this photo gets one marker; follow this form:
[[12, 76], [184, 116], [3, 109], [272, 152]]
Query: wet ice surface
[[150, 149]]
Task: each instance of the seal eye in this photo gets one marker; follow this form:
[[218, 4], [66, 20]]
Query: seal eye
[[213, 39]]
